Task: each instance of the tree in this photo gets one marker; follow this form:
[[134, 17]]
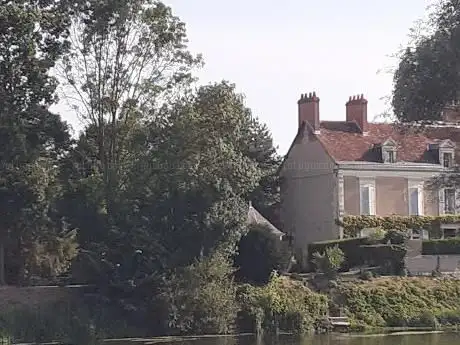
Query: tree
[[427, 77], [126, 59], [32, 38], [186, 186], [201, 298]]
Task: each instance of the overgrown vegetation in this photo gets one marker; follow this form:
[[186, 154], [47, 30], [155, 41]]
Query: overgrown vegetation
[[150, 199], [330, 261], [400, 302], [283, 304]]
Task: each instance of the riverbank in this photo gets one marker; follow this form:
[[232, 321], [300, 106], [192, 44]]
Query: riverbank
[[378, 305]]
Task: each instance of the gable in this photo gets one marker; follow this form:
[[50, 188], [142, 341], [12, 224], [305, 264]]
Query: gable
[[307, 153]]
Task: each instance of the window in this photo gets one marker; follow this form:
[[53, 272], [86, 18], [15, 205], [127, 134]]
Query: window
[[391, 156], [415, 197], [449, 201], [414, 202], [450, 232], [367, 199], [389, 148], [447, 159]]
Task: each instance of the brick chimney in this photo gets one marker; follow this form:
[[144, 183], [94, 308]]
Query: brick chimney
[[451, 112], [309, 110], [357, 111]]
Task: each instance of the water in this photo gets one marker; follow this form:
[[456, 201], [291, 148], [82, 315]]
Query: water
[[408, 339]]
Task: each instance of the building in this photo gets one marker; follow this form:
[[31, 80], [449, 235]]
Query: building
[[355, 167], [255, 218]]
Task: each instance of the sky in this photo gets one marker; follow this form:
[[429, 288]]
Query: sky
[[275, 50]]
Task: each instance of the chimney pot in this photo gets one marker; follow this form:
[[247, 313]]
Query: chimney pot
[[309, 110], [356, 110]]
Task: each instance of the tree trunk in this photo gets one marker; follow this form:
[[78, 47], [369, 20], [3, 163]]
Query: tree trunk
[[2, 263]]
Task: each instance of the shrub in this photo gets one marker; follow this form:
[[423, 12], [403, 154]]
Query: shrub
[[449, 317], [330, 261], [283, 303], [350, 248], [260, 253], [416, 302], [441, 247], [366, 275], [201, 299], [425, 319], [389, 257]]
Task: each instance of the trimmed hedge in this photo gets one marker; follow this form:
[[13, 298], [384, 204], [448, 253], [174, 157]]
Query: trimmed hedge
[[365, 251], [389, 257], [350, 248], [441, 247]]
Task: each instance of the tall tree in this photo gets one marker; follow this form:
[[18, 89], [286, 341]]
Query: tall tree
[[191, 172], [32, 37], [428, 77], [126, 59]]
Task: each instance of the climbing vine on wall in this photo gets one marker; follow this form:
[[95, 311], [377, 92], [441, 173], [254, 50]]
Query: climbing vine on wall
[[353, 224]]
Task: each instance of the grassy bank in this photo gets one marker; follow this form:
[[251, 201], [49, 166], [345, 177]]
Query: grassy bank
[[400, 302]]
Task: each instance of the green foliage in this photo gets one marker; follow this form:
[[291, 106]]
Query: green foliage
[[282, 303], [330, 261], [201, 298], [353, 224], [259, 254], [32, 39], [441, 247], [377, 235], [388, 257], [426, 79], [388, 253], [348, 246], [157, 182], [400, 301]]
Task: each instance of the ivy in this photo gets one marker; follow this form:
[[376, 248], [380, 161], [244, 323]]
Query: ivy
[[353, 224]]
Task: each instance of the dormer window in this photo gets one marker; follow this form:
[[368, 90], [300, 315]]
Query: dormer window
[[447, 159], [447, 153], [391, 156], [389, 151]]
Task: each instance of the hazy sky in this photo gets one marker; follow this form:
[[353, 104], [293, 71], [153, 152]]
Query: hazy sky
[[275, 50]]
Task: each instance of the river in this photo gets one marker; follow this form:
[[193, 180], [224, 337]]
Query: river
[[395, 339]]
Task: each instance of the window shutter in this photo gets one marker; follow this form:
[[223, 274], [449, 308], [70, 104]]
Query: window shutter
[[413, 201], [456, 203], [421, 202], [364, 200], [372, 208], [441, 201]]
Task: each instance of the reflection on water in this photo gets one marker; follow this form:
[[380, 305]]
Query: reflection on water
[[418, 339]]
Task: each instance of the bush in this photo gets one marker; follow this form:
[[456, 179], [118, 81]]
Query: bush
[[201, 299], [449, 317], [441, 247], [282, 303], [260, 253], [330, 261], [389, 257], [350, 248], [416, 302]]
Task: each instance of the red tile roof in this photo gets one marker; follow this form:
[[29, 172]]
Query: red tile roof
[[343, 141]]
